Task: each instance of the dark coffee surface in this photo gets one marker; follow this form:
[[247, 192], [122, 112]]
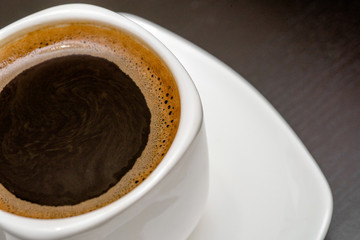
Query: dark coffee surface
[[71, 127]]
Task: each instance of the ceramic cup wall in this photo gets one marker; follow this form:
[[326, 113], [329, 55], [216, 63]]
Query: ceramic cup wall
[[169, 203]]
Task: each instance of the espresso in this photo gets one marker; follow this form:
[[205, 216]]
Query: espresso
[[72, 127], [87, 113]]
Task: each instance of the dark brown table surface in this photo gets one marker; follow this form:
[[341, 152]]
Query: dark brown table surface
[[303, 56]]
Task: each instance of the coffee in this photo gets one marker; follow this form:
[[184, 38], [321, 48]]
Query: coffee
[[87, 113], [67, 122]]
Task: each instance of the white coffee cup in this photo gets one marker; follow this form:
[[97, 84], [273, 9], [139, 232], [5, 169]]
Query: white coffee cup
[[169, 203]]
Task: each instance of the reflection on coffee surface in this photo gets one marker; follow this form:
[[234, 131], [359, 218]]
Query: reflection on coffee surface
[[87, 113]]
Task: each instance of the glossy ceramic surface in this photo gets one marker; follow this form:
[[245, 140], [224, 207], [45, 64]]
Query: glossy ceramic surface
[[264, 184], [166, 198]]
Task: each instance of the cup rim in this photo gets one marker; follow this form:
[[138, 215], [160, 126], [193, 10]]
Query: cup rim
[[189, 126]]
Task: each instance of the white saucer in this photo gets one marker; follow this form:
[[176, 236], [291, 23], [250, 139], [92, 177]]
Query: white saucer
[[264, 183]]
